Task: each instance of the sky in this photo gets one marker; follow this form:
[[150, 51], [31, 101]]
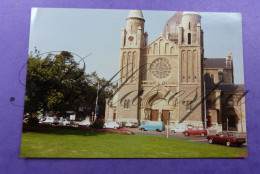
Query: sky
[[98, 32]]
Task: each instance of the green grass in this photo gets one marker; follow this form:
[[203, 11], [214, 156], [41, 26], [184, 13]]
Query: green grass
[[64, 143]]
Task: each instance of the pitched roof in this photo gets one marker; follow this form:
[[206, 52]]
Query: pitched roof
[[227, 88], [231, 88], [214, 62]]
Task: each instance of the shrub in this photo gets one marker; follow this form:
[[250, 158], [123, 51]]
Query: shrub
[[33, 120], [98, 124]]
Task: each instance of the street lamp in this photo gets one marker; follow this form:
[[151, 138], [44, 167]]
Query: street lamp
[[227, 124], [169, 116]]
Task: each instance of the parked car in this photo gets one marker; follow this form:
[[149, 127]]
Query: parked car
[[51, 120], [111, 124], [41, 120], [178, 129], [83, 123], [64, 122], [152, 125], [195, 131], [228, 138], [131, 124]]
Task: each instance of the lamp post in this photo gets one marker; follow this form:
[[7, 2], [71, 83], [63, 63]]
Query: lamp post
[[169, 115], [227, 124]]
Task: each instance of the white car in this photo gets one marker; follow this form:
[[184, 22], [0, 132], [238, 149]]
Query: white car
[[131, 124], [84, 123], [179, 129], [64, 122], [111, 124], [51, 120]]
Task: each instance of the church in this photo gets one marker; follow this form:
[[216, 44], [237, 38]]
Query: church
[[170, 80]]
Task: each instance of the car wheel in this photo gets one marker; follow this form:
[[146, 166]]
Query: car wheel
[[187, 134], [202, 134], [211, 141], [115, 127], [104, 127], [142, 129], [173, 131], [228, 143]]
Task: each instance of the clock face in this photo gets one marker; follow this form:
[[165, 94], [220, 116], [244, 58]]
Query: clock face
[[130, 38], [161, 68]]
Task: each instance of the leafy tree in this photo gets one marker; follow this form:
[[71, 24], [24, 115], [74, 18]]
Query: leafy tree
[[56, 83]]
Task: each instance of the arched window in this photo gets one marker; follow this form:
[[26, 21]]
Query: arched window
[[126, 104], [220, 76], [189, 38]]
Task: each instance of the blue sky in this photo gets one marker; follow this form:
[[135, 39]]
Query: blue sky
[[85, 31]]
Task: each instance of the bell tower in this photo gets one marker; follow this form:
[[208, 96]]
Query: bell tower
[[191, 79], [133, 42]]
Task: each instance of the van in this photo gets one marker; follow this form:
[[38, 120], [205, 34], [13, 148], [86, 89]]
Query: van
[[152, 125]]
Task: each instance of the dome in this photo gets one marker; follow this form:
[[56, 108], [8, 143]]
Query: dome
[[136, 14], [191, 12], [171, 27]]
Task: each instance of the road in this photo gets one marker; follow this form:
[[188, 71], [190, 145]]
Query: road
[[192, 138]]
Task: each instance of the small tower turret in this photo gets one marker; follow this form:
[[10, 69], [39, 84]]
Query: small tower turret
[[134, 37], [229, 61], [191, 22]]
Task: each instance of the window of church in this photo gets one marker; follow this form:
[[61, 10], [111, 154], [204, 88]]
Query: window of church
[[220, 76], [189, 38], [188, 105], [230, 103], [126, 104], [161, 68]]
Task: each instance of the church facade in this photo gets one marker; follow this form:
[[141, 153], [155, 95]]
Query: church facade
[[169, 79]]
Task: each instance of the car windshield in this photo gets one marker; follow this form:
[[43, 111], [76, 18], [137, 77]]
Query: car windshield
[[232, 134]]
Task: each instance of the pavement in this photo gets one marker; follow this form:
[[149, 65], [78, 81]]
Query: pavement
[[191, 138]]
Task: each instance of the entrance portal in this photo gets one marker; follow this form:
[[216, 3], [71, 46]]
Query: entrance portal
[[160, 110], [165, 116], [155, 115], [230, 119]]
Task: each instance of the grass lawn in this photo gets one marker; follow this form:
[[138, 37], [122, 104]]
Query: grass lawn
[[65, 143]]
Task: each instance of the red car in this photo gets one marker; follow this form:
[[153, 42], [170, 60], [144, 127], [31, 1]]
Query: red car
[[228, 138], [195, 131]]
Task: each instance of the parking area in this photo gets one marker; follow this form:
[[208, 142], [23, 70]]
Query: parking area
[[191, 138]]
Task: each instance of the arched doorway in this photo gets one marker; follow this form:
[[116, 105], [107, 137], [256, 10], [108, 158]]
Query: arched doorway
[[114, 115], [160, 110], [230, 119]]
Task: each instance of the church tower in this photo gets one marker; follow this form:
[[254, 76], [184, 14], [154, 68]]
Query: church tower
[[191, 79], [133, 42]]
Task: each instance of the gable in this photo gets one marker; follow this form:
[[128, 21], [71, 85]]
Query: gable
[[161, 46]]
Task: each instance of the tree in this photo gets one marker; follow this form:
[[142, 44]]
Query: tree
[[56, 83]]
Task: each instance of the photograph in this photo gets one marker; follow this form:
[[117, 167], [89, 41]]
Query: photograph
[[134, 84]]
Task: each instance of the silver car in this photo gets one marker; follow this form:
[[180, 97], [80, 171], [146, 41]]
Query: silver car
[[178, 129]]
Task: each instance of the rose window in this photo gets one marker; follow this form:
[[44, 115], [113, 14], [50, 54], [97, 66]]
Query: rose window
[[161, 68]]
